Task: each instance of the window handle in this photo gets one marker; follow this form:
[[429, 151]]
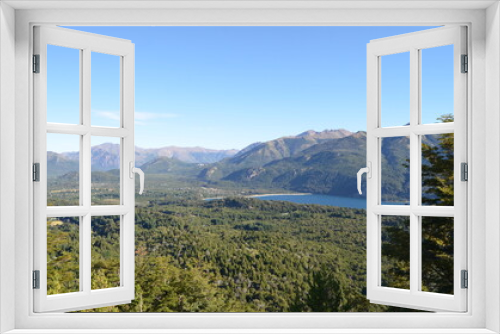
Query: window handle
[[135, 170], [368, 171]]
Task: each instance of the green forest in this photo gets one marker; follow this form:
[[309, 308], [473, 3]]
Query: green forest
[[228, 255], [240, 254]]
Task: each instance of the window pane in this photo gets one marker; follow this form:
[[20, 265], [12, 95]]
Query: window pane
[[105, 252], [395, 251], [437, 169], [105, 90], [395, 89], [63, 85], [437, 84], [63, 166], [395, 168], [63, 250], [437, 254], [105, 171]]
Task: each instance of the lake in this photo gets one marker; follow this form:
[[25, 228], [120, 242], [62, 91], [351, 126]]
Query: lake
[[348, 202]]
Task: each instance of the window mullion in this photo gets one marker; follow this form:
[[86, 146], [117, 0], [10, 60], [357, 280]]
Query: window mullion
[[85, 178], [86, 251], [414, 168], [85, 161]]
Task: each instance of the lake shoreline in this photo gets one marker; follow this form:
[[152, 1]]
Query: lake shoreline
[[319, 199], [308, 198], [291, 194]]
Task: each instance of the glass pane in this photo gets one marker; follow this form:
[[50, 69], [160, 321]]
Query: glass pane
[[395, 89], [437, 169], [437, 254], [105, 171], [63, 250], [437, 84], [395, 167], [63, 85], [63, 166], [105, 106], [105, 252], [395, 232]]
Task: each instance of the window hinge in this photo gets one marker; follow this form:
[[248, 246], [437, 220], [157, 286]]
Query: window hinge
[[36, 63], [465, 64], [465, 279], [464, 171], [36, 172], [36, 279]]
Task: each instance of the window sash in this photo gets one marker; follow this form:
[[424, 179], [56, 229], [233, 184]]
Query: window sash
[[86, 297], [414, 298]]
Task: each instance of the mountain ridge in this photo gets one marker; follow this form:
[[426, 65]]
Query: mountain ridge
[[106, 156], [323, 168]]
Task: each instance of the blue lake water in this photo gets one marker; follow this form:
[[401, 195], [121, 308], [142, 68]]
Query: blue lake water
[[348, 202]]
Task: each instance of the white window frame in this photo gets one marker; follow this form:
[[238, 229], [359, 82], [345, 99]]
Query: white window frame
[[484, 144]]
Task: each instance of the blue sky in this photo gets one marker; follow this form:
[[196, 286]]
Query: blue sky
[[227, 87]]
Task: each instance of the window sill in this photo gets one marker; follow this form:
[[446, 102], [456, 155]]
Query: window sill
[[250, 331]]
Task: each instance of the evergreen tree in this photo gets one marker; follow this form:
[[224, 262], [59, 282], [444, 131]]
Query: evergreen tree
[[330, 292], [327, 292], [437, 232], [437, 169]]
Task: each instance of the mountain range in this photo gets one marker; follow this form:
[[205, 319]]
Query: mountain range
[[323, 162], [106, 156]]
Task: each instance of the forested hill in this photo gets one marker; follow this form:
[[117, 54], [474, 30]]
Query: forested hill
[[326, 167], [258, 154]]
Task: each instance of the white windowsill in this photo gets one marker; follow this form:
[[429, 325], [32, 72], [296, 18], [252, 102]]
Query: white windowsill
[[252, 331]]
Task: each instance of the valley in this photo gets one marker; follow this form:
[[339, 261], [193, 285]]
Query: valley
[[236, 253]]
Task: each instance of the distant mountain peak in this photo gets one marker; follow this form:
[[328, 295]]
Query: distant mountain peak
[[326, 134], [307, 133], [359, 134], [106, 145]]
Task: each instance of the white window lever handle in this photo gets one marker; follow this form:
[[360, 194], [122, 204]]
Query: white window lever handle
[[368, 171], [134, 170]]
